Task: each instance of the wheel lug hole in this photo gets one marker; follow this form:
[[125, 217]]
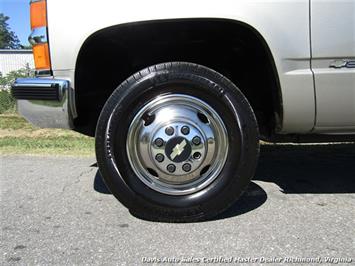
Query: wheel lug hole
[[186, 167], [196, 155], [185, 130], [159, 142], [169, 131], [171, 168], [196, 140], [159, 157]]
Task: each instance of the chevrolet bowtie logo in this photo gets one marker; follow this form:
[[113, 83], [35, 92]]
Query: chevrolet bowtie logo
[[178, 149]]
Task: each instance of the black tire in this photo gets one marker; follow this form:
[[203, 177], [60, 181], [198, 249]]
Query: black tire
[[200, 82]]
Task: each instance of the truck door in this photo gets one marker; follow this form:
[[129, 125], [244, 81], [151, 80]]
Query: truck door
[[333, 64]]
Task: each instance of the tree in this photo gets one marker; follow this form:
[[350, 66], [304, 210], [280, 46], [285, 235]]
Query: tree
[[8, 38]]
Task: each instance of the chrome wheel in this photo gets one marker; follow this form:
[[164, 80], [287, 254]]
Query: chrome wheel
[[177, 144]]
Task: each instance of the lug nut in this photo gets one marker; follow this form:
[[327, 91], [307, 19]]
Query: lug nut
[[186, 167], [196, 140], [159, 157], [196, 155], [171, 168], [185, 130], [159, 142], [169, 131]]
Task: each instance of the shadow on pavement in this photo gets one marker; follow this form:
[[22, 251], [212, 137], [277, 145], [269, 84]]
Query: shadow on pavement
[[313, 169], [295, 169], [252, 198], [99, 184]]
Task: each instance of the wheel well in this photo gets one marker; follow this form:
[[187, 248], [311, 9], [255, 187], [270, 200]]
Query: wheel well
[[234, 49]]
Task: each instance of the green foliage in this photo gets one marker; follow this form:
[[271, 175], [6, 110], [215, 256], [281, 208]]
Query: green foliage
[[8, 38], [7, 102], [6, 81]]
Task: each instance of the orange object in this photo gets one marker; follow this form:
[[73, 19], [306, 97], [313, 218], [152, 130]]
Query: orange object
[[38, 14], [41, 56]]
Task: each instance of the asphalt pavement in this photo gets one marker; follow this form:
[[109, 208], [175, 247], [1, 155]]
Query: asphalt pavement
[[299, 209]]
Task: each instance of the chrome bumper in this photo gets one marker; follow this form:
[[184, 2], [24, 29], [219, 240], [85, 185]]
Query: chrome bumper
[[44, 102]]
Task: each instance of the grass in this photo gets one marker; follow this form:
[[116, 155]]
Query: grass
[[17, 136], [12, 121]]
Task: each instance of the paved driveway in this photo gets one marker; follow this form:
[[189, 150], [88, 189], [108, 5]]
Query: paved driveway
[[301, 206]]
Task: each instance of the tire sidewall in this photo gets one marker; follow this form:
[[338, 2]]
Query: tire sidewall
[[222, 96]]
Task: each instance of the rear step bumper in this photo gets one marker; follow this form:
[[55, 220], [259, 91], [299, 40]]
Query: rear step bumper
[[44, 102]]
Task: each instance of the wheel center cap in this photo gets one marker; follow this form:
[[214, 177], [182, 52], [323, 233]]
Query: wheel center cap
[[178, 149]]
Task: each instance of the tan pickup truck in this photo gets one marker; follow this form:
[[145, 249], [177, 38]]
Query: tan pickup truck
[[179, 93]]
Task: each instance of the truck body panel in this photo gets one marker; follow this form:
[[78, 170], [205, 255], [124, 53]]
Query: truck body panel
[[283, 24], [333, 43]]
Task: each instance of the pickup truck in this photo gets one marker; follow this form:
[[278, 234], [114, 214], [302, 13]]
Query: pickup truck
[[178, 94]]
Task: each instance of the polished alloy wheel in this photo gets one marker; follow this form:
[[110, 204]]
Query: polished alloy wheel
[[177, 144]]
